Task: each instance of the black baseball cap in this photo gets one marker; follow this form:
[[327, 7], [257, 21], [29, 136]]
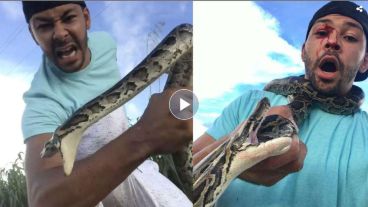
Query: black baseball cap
[[32, 7], [349, 9]]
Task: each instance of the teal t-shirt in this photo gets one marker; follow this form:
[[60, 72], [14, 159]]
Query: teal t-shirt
[[54, 95], [335, 171]]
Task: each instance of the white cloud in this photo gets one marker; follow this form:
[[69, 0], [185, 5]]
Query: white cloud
[[198, 128], [12, 86], [12, 10], [133, 112], [233, 41], [212, 115], [129, 29], [11, 108]]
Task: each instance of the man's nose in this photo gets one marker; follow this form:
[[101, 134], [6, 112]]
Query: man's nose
[[333, 42], [60, 32]]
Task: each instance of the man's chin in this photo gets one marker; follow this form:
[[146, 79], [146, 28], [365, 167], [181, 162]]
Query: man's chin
[[70, 67], [328, 88]]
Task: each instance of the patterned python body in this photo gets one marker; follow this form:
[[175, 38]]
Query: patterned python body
[[214, 173], [303, 96], [173, 56]]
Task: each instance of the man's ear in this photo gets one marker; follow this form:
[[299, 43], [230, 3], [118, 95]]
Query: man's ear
[[30, 31], [303, 52], [87, 17], [364, 66]]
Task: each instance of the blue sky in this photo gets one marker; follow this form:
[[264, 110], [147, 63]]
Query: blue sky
[[243, 45], [136, 26]]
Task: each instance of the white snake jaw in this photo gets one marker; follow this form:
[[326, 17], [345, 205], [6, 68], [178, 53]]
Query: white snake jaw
[[256, 153], [68, 150], [67, 146]]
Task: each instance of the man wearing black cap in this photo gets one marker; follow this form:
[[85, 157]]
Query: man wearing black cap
[[335, 170], [77, 66]]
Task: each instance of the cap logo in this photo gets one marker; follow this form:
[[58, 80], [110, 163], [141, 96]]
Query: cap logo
[[360, 8]]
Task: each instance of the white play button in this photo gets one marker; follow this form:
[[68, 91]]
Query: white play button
[[183, 104]]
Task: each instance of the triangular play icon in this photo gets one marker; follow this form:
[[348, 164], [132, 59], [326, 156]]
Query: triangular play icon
[[183, 104]]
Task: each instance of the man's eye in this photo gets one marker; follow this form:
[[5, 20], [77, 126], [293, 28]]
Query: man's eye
[[350, 38], [321, 33], [44, 26], [69, 18]]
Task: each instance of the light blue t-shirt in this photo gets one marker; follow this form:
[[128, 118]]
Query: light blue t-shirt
[[54, 95], [335, 171]]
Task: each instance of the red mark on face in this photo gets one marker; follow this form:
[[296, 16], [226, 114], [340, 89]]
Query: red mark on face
[[324, 33]]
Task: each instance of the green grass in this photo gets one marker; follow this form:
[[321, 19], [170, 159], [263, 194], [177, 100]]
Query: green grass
[[165, 163], [13, 191]]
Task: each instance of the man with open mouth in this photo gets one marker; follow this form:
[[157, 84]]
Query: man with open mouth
[[334, 171], [75, 68]]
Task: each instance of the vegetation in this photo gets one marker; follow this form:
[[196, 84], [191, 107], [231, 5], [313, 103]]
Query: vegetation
[[13, 191], [165, 163], [167, 168]]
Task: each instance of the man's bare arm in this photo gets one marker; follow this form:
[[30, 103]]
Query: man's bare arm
[[94, 177], [204, 145]]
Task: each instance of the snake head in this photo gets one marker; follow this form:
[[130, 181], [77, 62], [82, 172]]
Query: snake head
[[50, 148], [274, 126]]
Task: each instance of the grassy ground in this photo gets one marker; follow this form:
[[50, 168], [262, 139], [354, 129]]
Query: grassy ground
[[13, 191]]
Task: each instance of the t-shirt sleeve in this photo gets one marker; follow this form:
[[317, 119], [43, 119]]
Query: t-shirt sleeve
[[103, 40], [41, 115], [55, 95], [234, 114]]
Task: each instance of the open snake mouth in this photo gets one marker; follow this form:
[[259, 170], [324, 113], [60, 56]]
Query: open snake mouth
[[329, 65], [274, 126]]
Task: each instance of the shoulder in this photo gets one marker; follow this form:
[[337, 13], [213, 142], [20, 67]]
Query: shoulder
[[101, 39], [252, 97], [363, 114], [240, 109], [103, 48], [43, 111]]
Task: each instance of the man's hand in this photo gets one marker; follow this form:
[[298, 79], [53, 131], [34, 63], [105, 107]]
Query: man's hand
[[93, 178], [273, 169], [161, 131]]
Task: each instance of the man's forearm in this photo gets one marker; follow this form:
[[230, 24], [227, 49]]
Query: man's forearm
[[92, 178], [200, 154]]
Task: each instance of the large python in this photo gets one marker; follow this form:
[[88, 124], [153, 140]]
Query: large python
[[214, 173], [173, 55]]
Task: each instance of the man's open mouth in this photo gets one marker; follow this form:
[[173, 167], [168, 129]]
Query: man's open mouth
[[329, 65], [328, 69], [66, 52]]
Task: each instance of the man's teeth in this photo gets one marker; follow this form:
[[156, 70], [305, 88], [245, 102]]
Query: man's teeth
[[67, 53]]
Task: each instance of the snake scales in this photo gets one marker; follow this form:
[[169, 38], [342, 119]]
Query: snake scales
[[214, 173], [173, 56]]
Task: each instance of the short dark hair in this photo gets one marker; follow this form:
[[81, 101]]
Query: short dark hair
[[349, 9], [32, 7]]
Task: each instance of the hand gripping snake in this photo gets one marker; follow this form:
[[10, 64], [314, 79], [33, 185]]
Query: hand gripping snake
[[214, 173], [173, 55]]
